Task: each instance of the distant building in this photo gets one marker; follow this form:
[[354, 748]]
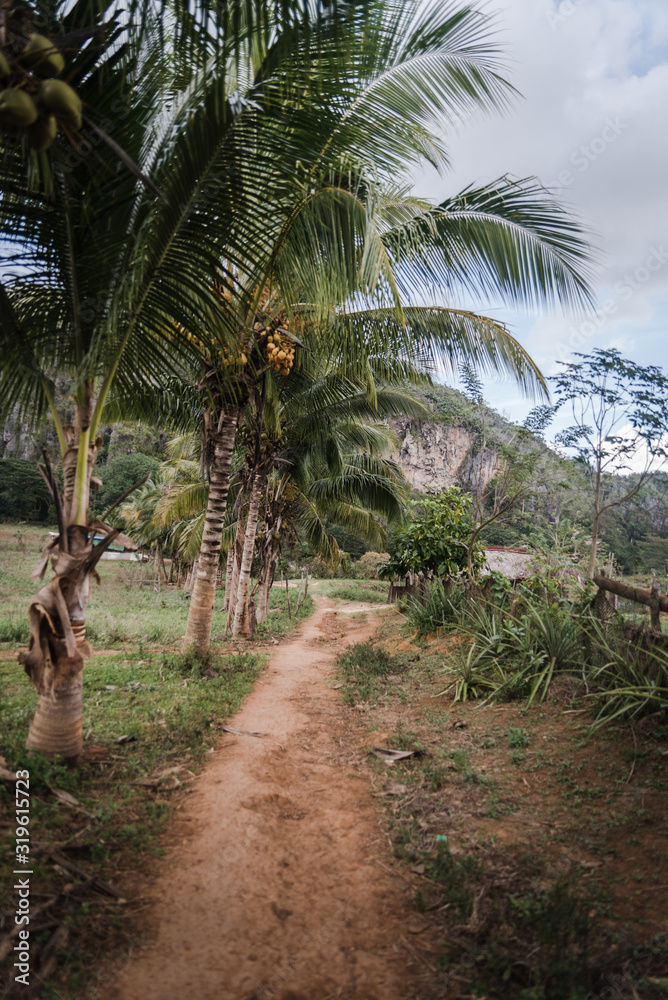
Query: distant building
[[514, 564]]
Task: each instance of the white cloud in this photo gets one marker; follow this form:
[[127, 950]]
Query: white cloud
[[594, 80]]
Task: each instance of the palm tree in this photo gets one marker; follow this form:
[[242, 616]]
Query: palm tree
[[104, 272], [350, 287], [323, 456], [254, 148], [320, 459]]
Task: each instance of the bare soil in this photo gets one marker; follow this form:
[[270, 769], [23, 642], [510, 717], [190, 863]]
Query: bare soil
[[273, 886]]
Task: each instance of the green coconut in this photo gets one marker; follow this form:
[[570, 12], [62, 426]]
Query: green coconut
[[41, 133], [17, 108], [42, 56], [58, 99], [5, 68]]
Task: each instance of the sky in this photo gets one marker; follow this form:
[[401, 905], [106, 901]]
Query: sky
[[592, 123]]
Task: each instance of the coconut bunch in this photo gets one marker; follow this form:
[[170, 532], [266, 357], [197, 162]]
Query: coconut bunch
[[279, 352], [33, 102], [232, 358]]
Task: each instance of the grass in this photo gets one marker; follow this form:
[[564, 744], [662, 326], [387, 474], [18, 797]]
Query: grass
[[355, 590], [126, 610], [530, 844], [366, 670], [144, 714], [151, 718]]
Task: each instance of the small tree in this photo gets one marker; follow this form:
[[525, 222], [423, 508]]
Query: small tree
[[621, 423], [502, 475], [436, 541]]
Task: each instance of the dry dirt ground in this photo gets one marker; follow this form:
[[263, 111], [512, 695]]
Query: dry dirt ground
[[273, 887]]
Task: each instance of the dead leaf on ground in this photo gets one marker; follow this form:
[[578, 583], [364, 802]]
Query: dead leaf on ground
[[418, 869], [170, 783], [459, 724], [127, 738], [335, 687], [390, 756], [395, 788], [6, 775], [65, 797]]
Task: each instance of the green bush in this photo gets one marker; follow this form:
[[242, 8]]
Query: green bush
[[24, 496], [118, 475], [437, 608], [367, 567]]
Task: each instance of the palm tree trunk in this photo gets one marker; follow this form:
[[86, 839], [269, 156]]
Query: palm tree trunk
[[200, 613], [229, 572], [268, 575], [54, 660], [241, 623], [57, 726], [238, 549]]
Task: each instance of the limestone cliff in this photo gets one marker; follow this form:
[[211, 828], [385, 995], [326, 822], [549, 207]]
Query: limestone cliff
[[434, 454]]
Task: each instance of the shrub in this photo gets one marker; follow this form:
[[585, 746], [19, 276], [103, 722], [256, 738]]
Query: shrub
[[439, 608], [24, 496], [366, 568], [118, 475]]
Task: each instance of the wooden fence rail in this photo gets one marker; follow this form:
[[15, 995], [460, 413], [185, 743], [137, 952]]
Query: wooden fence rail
[[650, 598]]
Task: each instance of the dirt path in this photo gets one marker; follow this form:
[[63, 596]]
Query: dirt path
[[272, 890]]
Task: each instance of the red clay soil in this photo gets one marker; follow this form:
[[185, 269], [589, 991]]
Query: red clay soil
[[271, 889]]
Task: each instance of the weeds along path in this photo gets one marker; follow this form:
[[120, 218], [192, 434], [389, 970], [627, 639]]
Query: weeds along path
[[270, 890]]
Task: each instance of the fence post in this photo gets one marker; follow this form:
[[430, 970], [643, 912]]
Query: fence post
[[655, 604]]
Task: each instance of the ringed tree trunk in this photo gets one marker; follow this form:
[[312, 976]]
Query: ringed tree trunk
[[241, 625], [269, 560], [229, 570], [238, 550], [234, 560], [200, 613], [54, 660]]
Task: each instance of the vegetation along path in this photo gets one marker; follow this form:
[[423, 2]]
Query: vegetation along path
[[271, 888]]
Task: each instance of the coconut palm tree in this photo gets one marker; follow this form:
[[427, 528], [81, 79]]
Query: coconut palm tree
[[104, 271], [319, 440], [260, 150], [319, 459]]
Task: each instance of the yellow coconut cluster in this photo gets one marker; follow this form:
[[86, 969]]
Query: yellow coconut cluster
[[280, 353], [32, 102], [231, 358]]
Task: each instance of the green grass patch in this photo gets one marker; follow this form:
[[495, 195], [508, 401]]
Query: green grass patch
[[366, 669], [166, 710], [279, 622]]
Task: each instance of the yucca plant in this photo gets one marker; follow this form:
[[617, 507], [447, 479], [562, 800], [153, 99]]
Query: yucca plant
[[474, 674], [631, 680]]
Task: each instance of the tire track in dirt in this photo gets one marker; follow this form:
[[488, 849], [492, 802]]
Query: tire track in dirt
[[273, 892]]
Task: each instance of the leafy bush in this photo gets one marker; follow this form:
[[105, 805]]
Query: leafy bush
[[118, 475], [629, 680], [504, 653], [367, 567], [436, 540], [439, 608], [24, 496]]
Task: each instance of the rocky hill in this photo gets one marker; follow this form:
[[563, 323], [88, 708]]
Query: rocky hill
[[462, 444]]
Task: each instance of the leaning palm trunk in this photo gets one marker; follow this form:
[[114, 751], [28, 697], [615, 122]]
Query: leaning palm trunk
[[269, 560], [200, 613], [54, 660], [241, 625], [238, 551], [234, 561]]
